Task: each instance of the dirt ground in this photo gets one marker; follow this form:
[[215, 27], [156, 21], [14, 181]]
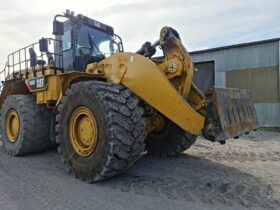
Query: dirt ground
[[243, 174]]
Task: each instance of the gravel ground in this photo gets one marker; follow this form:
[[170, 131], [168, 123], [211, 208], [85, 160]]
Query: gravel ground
[[243, 174]]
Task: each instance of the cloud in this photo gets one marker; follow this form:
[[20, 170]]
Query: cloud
[[201, 23]]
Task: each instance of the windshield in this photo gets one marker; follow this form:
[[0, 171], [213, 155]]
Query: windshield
[[101, 44]]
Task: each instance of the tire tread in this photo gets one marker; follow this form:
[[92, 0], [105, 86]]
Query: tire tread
[[35, 130], [122, 123]]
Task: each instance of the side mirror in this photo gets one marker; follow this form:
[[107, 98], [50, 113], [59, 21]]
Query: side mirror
[[58, 28], [43, 45]]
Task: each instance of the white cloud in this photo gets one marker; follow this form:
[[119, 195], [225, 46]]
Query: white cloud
[[201, 23]]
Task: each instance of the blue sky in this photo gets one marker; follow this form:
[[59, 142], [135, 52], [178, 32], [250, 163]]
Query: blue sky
[[201, 23]]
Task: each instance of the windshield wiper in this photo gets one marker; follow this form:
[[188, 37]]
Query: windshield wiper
[[93, 45]]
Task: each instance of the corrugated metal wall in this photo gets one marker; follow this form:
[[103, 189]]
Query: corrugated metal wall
[[252, 67], [259, 81], [205, 77]]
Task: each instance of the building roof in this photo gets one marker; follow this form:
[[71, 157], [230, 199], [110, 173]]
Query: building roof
[[236, 45]]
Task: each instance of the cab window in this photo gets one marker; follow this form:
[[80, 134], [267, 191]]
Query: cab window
[[67, 40], [101, 43]]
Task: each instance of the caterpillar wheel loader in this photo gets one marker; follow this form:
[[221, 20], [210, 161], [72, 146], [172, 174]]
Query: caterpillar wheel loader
[[104, 107]]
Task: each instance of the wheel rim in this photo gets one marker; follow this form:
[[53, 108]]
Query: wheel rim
[[12, 125], [83, 131]]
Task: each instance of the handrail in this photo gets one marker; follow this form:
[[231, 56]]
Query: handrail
[[17, 62]]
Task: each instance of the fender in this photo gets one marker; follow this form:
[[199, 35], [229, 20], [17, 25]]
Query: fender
[[147, 81]]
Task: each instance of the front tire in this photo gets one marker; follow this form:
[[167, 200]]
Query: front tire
[[117, 142], [171, 141]]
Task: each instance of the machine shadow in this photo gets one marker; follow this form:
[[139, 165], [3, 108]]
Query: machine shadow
[[194, 179]]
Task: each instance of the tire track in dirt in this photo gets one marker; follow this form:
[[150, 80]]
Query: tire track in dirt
[[196, 180], [211, 175]]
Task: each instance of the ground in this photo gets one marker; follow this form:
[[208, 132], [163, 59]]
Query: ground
[[242, 174]]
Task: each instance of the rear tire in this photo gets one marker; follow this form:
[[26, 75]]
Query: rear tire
[[172, 141], [34, 126], [120, 130]]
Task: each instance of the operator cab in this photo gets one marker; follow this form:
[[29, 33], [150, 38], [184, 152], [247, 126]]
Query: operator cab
[[84, 40]]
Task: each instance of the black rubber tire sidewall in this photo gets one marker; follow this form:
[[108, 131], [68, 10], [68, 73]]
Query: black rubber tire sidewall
[[173, 140], [35, 121], [93, 162], [11, 147]]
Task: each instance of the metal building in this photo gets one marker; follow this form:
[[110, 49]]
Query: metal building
[[253, 66]]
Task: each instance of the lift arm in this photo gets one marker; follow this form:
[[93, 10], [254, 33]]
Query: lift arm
[[166, 85]]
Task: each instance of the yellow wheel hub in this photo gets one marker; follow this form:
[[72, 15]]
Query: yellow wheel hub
[[12, 125], [83, 131]]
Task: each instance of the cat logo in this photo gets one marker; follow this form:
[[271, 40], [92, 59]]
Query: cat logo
[[37, 83], [40, 82]]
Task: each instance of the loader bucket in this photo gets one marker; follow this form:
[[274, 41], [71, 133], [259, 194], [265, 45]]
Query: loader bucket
[[230, 113]]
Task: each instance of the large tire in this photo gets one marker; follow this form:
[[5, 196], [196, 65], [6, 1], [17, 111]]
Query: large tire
[[121, 130], [34, 126], [172, 141]]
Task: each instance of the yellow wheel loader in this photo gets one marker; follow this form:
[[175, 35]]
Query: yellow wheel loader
[[104, 107]]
